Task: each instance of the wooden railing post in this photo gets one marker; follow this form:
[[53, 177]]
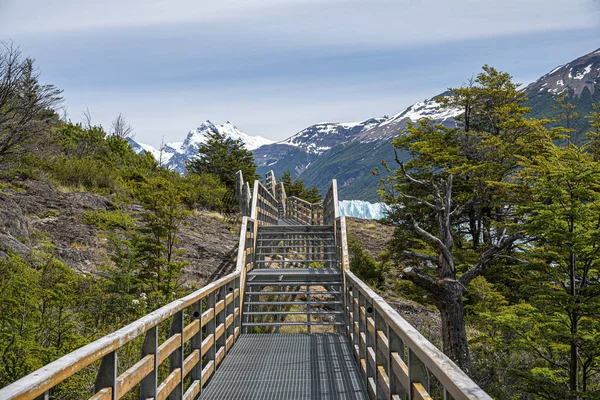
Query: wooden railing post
[[211, 328], [381, 357], [149, 384], [395, 346], [107, 375], [417, 374], [196, 342], [370, 349], [176, 358], [220, 318]]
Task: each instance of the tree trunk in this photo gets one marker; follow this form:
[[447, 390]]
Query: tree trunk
[[454, 334]]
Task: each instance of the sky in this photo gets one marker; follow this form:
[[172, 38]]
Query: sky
[[274, 67]]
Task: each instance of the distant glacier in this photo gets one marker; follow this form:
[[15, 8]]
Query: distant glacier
[[362, 209]]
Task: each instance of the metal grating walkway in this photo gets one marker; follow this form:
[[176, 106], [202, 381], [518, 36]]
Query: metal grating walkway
[[287, 366]]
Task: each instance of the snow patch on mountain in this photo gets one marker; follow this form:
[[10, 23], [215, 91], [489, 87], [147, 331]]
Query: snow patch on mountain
[[362, 209], [319, 138], [174, 155], [575, 77], [428, 108]]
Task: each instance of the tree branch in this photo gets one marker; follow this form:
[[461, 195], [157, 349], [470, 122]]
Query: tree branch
[[487, 257], [420, 256], [422, 279]]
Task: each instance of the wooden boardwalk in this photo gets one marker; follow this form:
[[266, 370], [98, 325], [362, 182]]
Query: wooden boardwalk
[[288, 366], [292, 275]]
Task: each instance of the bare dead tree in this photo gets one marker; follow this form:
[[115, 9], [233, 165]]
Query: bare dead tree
[[437, 274], [87, 119], [161, 150], [121, 128], [27, 108]]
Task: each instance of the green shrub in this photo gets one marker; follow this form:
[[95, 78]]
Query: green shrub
[[363, 264], [108, 220], [204, 191], [84, 172]]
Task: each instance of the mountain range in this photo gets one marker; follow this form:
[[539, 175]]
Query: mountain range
[[174, 155], [348, 151]]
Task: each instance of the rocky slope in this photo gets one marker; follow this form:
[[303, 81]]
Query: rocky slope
[[35, 210]]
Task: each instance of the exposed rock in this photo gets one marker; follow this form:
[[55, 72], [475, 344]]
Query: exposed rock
[[208, 244], [12, 221]]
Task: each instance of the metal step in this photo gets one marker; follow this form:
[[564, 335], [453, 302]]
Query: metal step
[[312, 323], [292, 283], [293, 312], [290, 247], [295, 228], [334, 292], [292, 240], [290, 261], [296, 253], [290, 303]]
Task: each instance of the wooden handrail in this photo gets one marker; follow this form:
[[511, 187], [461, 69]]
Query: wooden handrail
[[373, 326], [45, 378]]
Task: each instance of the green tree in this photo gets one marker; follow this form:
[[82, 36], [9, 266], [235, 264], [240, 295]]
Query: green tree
[[223, 156], [160, 222], [297, 188], [455, 221], [593, 135], [562, 213]]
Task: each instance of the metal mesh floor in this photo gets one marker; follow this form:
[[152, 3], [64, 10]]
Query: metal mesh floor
[[292, 366]]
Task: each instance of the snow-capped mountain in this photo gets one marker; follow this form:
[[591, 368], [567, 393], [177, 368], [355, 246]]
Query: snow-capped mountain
[[363, 209], [347, 151], [576, 76], [175, 155], [351, 156], [319, 138]]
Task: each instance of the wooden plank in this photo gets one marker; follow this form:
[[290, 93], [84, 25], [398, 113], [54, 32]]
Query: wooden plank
[[191, 361], [229, 343], [168, 347], [382, 342], [104, 394], [207, 343], [400, 369], [371, 325], [134, 375], [229, 320], [207, 316], [419, 392], [191, 329], [192, 391], [383, 381], [372, 388], [207, 371], [219, 306], [219, 331], [220, 354], [167, 386], [371, 356]]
